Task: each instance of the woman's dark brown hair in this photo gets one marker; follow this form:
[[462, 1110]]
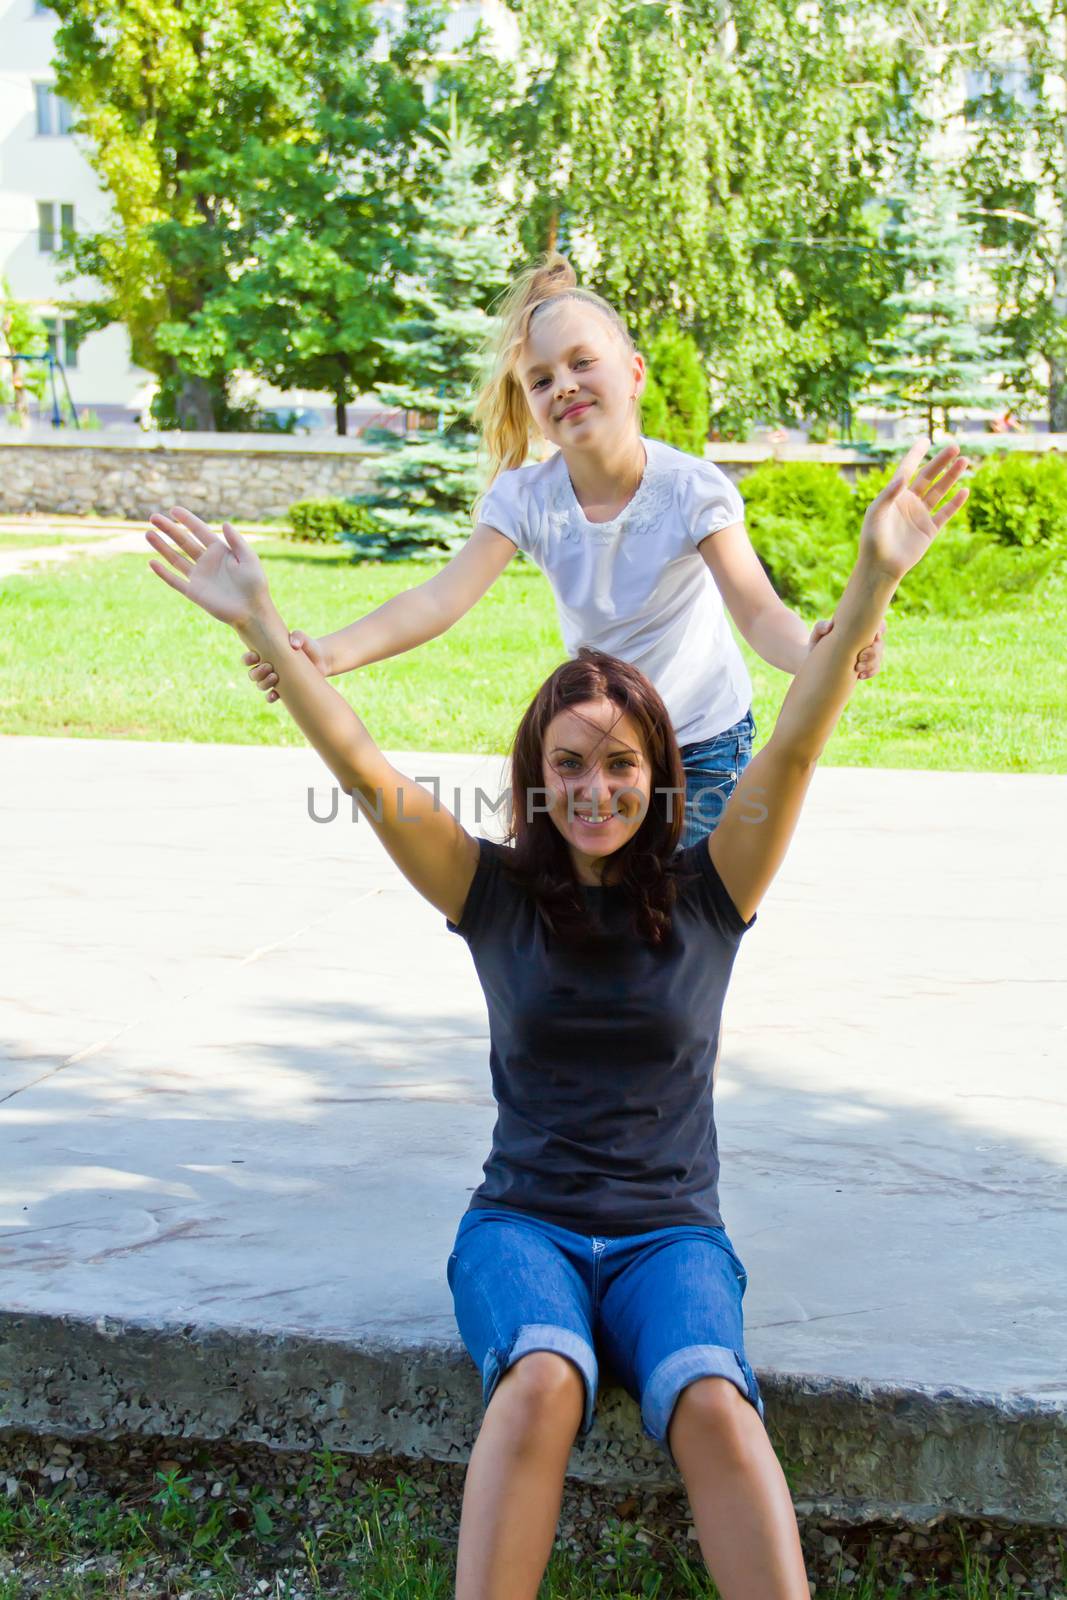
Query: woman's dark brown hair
[[541, 859]]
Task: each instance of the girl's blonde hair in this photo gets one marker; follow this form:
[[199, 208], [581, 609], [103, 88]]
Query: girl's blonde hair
[[500, 409]]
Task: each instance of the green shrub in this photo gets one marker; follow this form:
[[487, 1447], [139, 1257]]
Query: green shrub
[[804, 522], [674, 406], [326, 520], [810, 492], [966, 574], [807, 571], [1020, 500], [802, 525]]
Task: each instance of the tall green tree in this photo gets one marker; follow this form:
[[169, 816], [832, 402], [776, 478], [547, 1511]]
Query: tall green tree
[[322, 228], [223, 127], [695, 160], [1014, 168], [938, 360], [464, 253]]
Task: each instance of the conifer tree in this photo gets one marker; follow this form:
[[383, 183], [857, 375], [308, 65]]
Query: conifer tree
[[674, 406], [939, 359], [428, 480]]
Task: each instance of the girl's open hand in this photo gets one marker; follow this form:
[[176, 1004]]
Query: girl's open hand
[[901, 524], [225, 577]]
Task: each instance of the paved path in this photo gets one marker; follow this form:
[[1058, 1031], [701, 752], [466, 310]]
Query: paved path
[[245, 1083], [95, 538]]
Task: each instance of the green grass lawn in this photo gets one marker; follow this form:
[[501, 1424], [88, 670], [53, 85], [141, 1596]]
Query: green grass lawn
[[38, 541], [101, 648]]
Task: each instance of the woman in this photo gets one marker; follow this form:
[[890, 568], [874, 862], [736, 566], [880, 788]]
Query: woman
[[604, 954]]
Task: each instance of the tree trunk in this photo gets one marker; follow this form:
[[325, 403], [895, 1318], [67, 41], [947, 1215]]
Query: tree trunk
[[341, 415], [1057, 395], [1057, 362], [553, 228], [195, 404], [1057, 365]]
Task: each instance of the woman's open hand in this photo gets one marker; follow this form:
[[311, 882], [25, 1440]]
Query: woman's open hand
[[225, 577], [901, 524]]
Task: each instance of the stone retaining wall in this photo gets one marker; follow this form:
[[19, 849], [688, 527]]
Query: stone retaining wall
[[253, 477], [247, 478]]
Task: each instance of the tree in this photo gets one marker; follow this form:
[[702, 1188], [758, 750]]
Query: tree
[[674, 406], [695, 157], [21, 333], [323, 229], [463, 254], [192, 109], [938, 358], [1015, 173]]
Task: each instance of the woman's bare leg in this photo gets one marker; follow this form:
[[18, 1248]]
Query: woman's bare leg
[[514, 1485], [740, 1500]]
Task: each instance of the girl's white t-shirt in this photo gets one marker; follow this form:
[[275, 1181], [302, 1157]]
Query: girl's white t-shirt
[[637, 587]]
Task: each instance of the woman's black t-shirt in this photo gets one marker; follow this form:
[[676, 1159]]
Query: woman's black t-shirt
[[602, 1050]]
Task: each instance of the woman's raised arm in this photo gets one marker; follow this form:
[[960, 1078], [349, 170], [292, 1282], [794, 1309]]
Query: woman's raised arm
[[750, 842], [225, 577]]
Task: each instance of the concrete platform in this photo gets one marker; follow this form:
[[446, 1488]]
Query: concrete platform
[[244, 1097]]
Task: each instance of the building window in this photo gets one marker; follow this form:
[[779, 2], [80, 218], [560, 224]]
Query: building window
[[62, 345], [997, 87], [46, 225], [53, 112]]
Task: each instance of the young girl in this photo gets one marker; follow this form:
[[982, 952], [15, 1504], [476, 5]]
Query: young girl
[[604, 955], [641, 543]]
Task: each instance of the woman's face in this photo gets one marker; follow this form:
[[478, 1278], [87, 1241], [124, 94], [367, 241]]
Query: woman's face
[[598, 780], [573, 358]]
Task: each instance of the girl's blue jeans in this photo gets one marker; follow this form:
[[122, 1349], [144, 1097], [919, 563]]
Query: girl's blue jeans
[[712, 768]]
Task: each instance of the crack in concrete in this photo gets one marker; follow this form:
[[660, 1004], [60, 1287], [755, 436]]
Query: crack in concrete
[[826, 1316], [179, 1231]]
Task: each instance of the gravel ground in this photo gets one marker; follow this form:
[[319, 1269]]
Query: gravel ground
[[1034, 1561]]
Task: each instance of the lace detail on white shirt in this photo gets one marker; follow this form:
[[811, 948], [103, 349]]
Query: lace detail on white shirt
[[644, 512]]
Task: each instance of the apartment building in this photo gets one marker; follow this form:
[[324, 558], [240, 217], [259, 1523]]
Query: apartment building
[[49, 189]]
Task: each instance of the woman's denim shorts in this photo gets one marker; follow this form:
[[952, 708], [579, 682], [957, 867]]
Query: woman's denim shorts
[[712, 768], [660, 1309]]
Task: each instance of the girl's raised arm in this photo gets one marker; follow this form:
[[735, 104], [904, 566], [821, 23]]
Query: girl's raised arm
[[407, 619], [225, 577], [429, 609], [750, 842]]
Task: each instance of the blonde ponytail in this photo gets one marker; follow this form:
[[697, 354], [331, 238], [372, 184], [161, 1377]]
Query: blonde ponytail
[[500, 410]]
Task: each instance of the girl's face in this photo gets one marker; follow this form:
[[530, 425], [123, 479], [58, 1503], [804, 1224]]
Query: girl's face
[[598, 778], [579, 379]]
